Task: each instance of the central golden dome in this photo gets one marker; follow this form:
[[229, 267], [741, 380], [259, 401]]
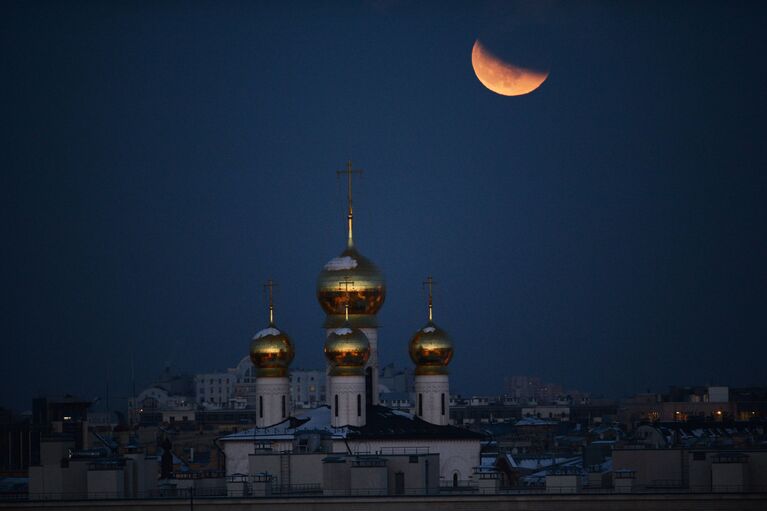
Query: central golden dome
[[347, 349], [431, 349], [366, 289], [271, 352]]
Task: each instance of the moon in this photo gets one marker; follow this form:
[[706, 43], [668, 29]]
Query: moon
[[502, 77]]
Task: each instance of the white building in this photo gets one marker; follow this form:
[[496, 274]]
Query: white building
[[386, 432], [214, 390], [307, 388], [245, 384], [235, 388]]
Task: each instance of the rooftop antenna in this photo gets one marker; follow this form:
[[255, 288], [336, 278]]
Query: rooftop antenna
[[349, 171]]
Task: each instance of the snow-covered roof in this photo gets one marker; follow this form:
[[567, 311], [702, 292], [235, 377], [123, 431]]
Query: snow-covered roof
[[313, 419], [574, 463], [487, 461], [533, 421], [382, 423], [403, 413]]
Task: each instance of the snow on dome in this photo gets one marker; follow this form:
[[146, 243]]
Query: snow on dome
[[265, 332], [341, 263], [342, 331], [429, 329]]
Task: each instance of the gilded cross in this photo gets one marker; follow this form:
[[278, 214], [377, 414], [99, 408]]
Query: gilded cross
[[349, 171], [430, 283], [270, 286]]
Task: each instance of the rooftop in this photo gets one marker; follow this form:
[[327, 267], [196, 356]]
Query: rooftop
[[382, 422]]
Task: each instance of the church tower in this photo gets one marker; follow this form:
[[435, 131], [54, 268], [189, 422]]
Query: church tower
[[347, 350], [431, 350], [271, 353], [360, 298]]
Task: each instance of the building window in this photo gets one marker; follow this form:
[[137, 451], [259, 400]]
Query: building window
[[455, 479], [359, 405], [260, 407], [420, 405], [336, 405], [442, 402], [283, 406]]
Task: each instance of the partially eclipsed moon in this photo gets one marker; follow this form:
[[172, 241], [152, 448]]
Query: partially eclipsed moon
[[501, 77]]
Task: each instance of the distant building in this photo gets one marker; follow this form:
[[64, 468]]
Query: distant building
[[171, 392], [554, 412], [245, 384], [19, 443], [64, 417], [214, 390], [397, 401], [679, 404], [155, 405], [65, 472], [307, 387], [699, 470], [700, 434], [751, 402], [396, 380], [533, 390]]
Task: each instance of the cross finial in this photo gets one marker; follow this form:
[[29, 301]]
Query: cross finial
[[270, 286], [349, 171], [346, 283], [430, 283]]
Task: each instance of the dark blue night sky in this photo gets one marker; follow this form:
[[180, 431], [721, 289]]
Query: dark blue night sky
[[160, 160]]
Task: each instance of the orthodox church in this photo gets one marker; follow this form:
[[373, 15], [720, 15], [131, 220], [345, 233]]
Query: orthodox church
[[298, 448]]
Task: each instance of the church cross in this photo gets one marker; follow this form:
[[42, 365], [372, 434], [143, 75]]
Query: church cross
[[429, 282], [349, 171]]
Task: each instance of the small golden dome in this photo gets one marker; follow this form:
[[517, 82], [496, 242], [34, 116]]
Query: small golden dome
[[271, 352], [347, 349], [431, 349], [366, 289]]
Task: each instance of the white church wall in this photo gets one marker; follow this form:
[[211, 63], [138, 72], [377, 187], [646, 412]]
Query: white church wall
[[455, 456]]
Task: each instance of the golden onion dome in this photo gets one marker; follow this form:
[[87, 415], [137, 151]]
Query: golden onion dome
[[271, 352], [347, 349], [365, 294], [431, 349]]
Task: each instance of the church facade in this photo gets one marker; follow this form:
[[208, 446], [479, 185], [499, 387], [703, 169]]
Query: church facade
[[312, 447]]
